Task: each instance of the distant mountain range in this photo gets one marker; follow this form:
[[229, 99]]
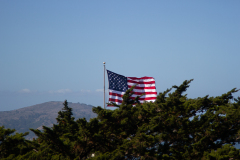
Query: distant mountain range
[[41, 114]]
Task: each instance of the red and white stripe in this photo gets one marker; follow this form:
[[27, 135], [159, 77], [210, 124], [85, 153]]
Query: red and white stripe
[[144, 85]]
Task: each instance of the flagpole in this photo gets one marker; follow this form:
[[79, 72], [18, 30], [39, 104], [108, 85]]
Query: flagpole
[[104, 85]]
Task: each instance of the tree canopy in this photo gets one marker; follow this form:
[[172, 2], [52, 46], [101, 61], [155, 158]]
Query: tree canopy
[[174, 127]]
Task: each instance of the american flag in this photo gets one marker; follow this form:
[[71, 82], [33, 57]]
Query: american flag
[[119, 84]]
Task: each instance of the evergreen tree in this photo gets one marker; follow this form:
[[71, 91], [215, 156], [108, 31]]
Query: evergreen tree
[[68, 139], [13, 145], [174, 127], [58, 140]]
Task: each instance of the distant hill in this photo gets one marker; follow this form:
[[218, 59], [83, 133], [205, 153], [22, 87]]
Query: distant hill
[[41, 114]]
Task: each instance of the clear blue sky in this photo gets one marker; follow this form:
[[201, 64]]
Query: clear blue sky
[[54, 50]]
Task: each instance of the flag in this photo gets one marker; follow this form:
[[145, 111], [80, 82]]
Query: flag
[[119, 84]]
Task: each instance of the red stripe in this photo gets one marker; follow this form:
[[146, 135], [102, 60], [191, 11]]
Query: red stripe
[[146, 93], [115, 94], [136, 93], [110, 106], [137, 87], [140, 78], [147, 98], [115, 100], [143, 99], [131, 81]]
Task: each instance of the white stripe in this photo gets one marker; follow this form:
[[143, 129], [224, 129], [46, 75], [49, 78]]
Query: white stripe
[[134, 90], [145, 96], [118, 92], [134, 95], [141, 80], [141, 101], [144, 90], [115, 97], [118, 103], [141, 85]]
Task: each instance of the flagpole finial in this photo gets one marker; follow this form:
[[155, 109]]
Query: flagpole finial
[[104, 62]]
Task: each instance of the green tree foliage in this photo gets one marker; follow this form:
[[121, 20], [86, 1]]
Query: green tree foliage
[[68, 139], [225, 153], [174, 127], [13, 145]]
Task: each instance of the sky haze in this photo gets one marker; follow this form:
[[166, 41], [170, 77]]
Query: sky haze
[[54, 50]]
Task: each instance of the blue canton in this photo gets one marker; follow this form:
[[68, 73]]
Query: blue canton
[[117, 82]]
